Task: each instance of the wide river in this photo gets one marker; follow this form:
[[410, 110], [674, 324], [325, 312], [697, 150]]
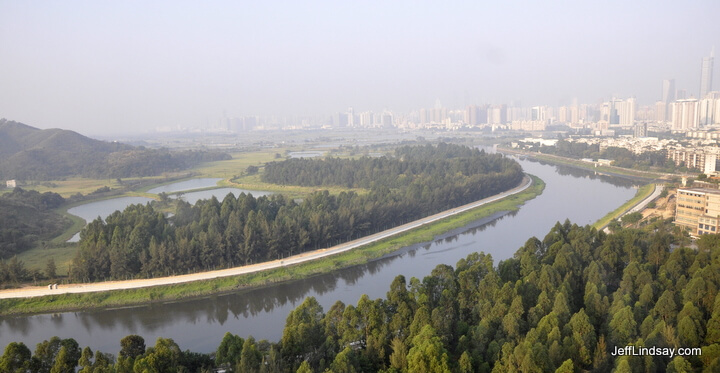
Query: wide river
[[199, 325]]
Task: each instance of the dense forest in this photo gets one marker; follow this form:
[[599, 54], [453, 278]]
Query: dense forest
[[621, 157], [28, 153], [417, 166], [140, 242], [564, 303], [27, 216]]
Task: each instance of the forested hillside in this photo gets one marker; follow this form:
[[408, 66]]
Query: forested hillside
[[25, 217], [242, 230], [28, 153], [565, 303]]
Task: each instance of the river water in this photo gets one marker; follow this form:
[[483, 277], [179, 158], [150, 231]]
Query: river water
[[199, 325]]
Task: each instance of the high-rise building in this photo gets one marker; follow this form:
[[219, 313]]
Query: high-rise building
[[668, 91], [685, 115], [661, 111], [668, 96], [706, 75], [350, 117], [626, 112]]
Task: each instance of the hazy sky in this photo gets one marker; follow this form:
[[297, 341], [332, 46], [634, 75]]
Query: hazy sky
[[115, 66]]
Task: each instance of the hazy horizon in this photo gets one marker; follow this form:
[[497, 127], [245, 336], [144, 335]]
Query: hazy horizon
[[101, 68]]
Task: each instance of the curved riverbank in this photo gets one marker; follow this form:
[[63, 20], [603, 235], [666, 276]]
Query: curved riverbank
[[134, 292], [639, 175], [645, 194]]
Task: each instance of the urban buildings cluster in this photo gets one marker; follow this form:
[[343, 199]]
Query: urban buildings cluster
[[674, 111]]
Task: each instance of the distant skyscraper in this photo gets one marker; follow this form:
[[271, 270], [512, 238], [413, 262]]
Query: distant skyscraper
[[706, 77], [668, 91], [668, 96]]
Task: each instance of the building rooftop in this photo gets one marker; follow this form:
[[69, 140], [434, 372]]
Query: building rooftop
[[701, 190]]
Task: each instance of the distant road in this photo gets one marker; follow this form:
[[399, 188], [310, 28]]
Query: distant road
[[37, 291]]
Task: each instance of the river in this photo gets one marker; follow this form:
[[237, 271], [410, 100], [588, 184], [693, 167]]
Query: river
[[199, 325]]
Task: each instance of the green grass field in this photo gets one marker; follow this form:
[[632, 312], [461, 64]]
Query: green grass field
[[642, 193], [358, 256]]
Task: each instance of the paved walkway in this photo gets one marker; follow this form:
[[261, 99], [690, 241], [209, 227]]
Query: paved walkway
[[640, 205], [37, 291]]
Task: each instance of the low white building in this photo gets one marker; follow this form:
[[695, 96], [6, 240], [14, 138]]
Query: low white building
[[11, 183]]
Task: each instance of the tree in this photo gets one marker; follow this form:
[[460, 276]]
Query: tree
[[345, 361], [16, 359], [50, 269], [623, 328], [304, 368], [582, 338], [465, 363], [228, 353], [303, 336], [398, 358], [632, 218], [427, 354], [132, 346], [679, 365], [566, 367], [84, 361], [163, 357], [250, 357]]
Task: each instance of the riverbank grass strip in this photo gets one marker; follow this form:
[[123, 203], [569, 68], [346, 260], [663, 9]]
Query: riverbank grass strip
[[642, 193], [118, 298]]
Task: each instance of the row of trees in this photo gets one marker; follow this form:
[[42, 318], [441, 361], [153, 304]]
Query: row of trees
[[411, 165], [562, 304], [142, 242], [621, 157]]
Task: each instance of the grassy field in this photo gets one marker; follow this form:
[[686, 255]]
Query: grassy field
[[642, 193], [362, 255], [58, 248], [239, 163]]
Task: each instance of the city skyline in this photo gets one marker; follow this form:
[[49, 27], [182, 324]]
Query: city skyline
[[115, 68]]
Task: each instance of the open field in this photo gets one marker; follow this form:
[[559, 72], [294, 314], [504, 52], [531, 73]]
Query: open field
[[63, 302], [236, 166]]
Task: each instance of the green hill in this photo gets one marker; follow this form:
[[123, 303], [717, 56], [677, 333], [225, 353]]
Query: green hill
[[28, 153]]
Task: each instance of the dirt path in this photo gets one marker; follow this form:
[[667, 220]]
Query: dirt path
[[36, 291]]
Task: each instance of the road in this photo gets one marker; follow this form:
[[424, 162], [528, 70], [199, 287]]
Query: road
[[640, 205], [36, 291]]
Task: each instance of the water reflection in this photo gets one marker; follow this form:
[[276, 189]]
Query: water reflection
[[219, 193], [567, 170], [199, 183]]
